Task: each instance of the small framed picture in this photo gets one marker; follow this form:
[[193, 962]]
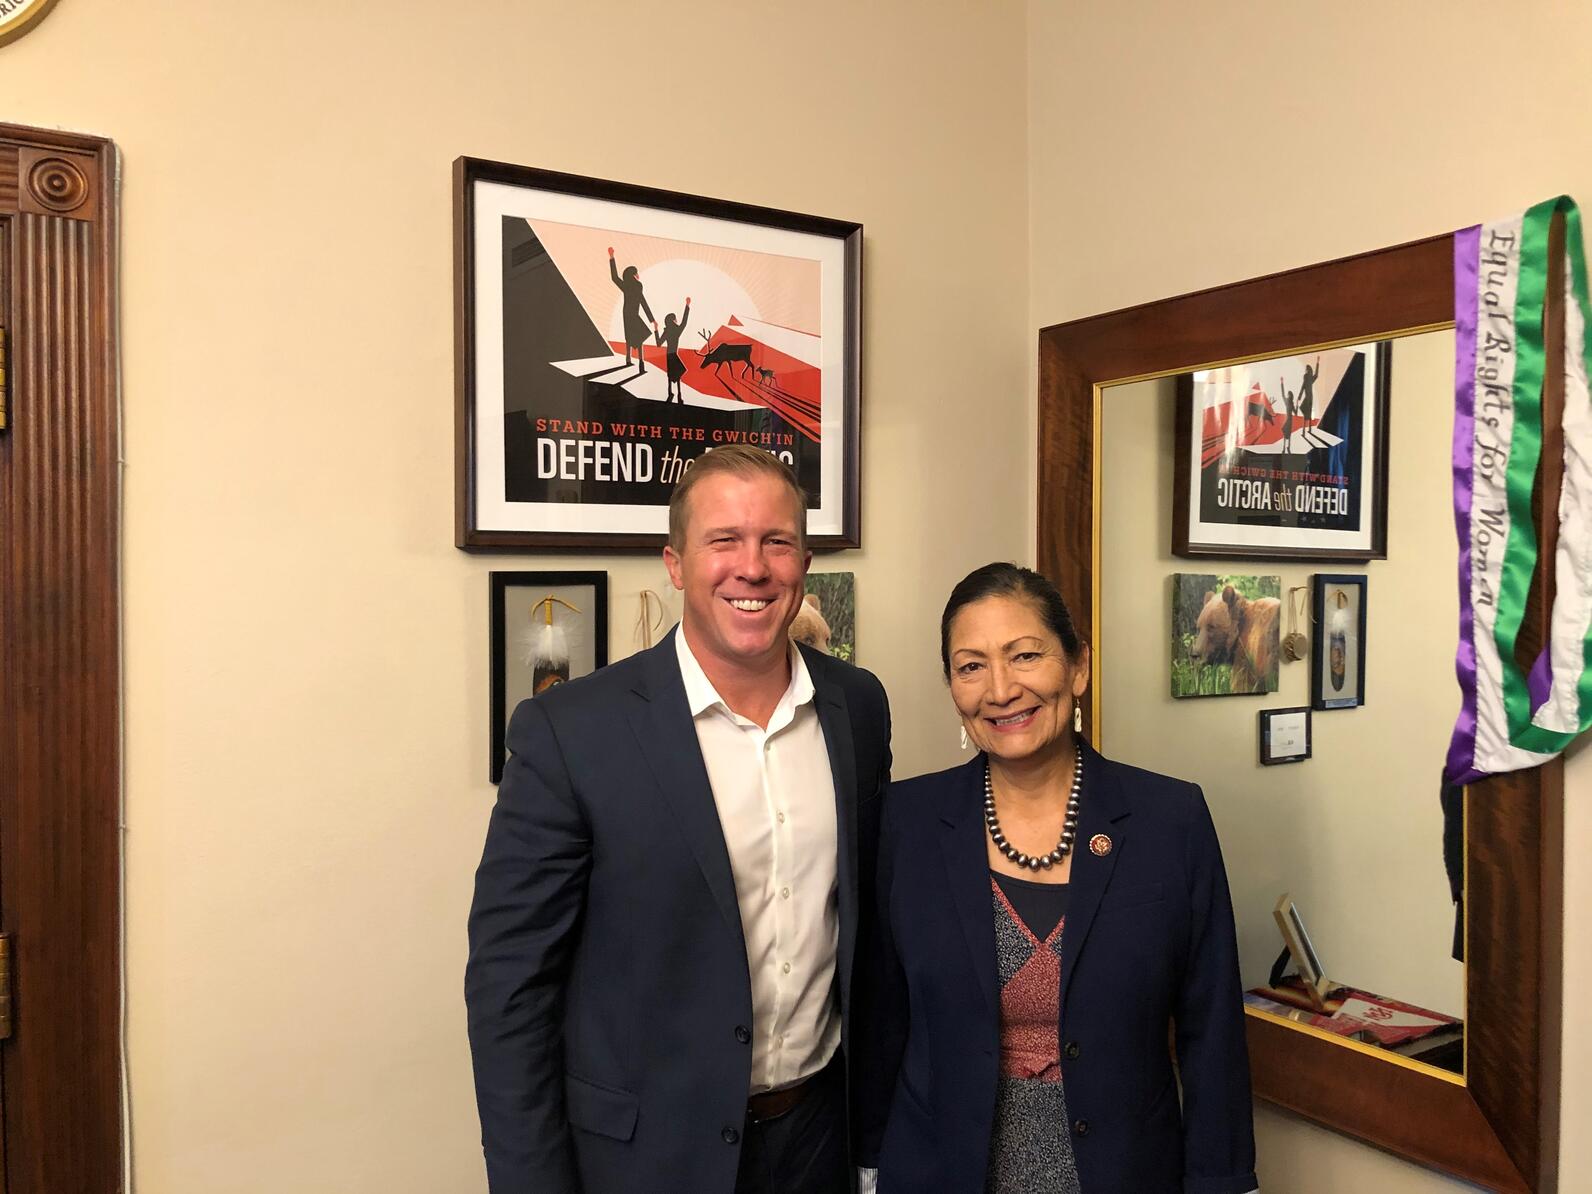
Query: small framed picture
[[1284, 735], [1292, 927], [1224, 634], [1337, 657], [827, 619], [547, 628], [1285, 458]]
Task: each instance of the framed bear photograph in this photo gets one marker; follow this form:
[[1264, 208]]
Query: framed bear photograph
[[1224, 634], [1337, 656]]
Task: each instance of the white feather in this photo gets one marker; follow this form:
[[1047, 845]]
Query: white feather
[[545, 645]]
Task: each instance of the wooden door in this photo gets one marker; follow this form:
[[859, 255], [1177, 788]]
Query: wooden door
[[60, 731]]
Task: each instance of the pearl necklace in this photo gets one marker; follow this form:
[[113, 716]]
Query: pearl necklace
[[1069, 828]]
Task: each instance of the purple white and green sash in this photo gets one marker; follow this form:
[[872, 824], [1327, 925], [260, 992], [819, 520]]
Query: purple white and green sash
[[1509, 719]]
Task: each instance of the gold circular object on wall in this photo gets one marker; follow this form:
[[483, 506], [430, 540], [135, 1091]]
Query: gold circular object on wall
[[20, 16]]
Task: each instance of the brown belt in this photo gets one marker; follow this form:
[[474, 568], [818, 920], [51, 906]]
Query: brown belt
[[771, 1105]]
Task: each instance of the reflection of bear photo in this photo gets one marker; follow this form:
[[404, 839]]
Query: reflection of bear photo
[[1224, 634]]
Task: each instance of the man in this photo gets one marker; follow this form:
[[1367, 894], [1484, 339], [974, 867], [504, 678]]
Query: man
[[666, 912]]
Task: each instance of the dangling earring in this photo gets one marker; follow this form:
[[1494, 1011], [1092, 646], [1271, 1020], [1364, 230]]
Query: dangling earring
[[1077, 718], [964, 737]]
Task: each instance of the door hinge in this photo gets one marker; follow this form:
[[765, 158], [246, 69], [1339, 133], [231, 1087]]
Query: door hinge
[[5, 986]]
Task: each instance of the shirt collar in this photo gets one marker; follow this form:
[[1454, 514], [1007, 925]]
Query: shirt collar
[[701, 696]]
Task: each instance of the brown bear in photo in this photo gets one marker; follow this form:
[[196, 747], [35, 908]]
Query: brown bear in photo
[[809, 626], [1232, 629]]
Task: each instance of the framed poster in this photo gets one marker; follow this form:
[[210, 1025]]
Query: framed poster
[[606, 335], [1224, 634], [1284, 735], [1284, 459], [1337, 657], [547, 628]]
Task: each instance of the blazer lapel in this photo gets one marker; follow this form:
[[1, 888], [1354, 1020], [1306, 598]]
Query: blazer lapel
[[1102, 810], [663, 726], [835, 719], [967, 865]]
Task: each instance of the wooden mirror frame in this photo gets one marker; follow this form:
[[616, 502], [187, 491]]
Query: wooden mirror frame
[[1500, 1125]]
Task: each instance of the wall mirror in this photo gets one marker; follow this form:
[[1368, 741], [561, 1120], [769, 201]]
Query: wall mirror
[[1354, 835]]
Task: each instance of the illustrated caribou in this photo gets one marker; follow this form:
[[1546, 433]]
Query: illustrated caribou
[[726, 354], [766, 376]]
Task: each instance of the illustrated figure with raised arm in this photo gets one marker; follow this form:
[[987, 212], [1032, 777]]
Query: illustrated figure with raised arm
[[1307, 398], [669, 338], [635, 304]]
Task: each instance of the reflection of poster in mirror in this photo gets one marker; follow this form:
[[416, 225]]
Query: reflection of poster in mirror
[[1337, 660], [1284, 458], [1224, 634], [609, 335], [547, 628]]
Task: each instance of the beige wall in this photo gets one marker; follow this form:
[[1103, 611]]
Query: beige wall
[[1175, 147], [306, 682], [306, 669], [1355, 833]]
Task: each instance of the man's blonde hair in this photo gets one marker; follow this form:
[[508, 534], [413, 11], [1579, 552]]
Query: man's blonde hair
[[741, 460]]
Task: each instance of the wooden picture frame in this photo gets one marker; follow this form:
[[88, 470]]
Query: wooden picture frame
[[1297, 938], [606, 335], [1337, 640], [575, 604], [1276, 506], [1499, 1124]]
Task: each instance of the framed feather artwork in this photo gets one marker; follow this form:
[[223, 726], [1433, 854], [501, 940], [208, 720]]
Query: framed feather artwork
[[547, 628]]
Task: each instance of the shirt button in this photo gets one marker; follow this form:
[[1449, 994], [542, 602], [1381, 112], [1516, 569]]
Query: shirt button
[[743, 1033], [784, 893], [731, 1136], [780, 817], [785, 969], [1072, 1050], [1081, 1127]]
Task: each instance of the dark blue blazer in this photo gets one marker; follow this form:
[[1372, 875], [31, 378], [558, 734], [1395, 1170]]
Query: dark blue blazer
[[609, 1001], [1148, 943]]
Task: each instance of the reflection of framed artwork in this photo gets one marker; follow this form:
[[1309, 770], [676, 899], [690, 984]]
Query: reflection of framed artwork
[[547, 628], [1337, 649], [1292, 927], [1284, 458], [606, 335], [1284, 735], [1224, 634]]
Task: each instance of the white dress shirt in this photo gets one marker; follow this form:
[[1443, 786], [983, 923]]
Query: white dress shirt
[[776, 802]]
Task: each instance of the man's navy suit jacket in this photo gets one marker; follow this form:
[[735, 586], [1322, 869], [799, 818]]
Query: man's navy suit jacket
[[610, 1006], [1148, 941]]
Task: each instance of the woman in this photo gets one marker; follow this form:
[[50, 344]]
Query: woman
[[635, 302], [1045, 916]]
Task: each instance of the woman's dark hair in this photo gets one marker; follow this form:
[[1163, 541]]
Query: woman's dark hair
[[1009, 580]]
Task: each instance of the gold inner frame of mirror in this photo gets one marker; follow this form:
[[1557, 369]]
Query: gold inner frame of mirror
[[1097, 672]]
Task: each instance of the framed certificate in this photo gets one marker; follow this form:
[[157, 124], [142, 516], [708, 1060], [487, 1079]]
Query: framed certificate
[[1284, 735]]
